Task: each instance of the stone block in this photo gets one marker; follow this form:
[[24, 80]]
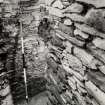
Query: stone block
[[99, 43], [96, 3], [68, 22], [95, 92], [90, 30], [74, 8], [82, 34], [75, 17], [57, 4], [95, 18], [85, 57]]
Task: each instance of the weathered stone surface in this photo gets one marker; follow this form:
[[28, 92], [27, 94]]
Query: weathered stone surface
[[100, 43], [99, 54], [57, 4], [65, 3], [74, 8], [55, 11], [85, 57], [68, 46], [5, 91], [96, 3], [95, 92], [102, 69], [75, 17], [73, 40], [67, 22], [1, 65], [37, 54], [65, 29], [97, 78], [74, 62], [82, 34], [56, 41], [34, 8], [8, 100], [72, 72], [89, 30], [95, 18], [49, 2]]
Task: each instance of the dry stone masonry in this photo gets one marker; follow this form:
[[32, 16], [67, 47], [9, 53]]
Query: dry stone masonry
[[64, 51], [79, 28]]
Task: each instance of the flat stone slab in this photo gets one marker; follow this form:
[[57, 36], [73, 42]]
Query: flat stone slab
[[96, 3]]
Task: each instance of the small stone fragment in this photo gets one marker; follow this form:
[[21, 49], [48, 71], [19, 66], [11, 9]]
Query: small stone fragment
[[68, 46], [82, 34], [73, 40], [67, 22], [74, 62], [74, 8], [57, 4], [100, 43], [36, 15], [102, 69], [1, 1], [95, 92], [8, 100], [65, 3], [5, 91], [71, 84], [66, 29]]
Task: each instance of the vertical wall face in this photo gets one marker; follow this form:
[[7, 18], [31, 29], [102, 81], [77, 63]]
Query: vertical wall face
[[75, 35], [7, 38], [5, 89], [77, 48]]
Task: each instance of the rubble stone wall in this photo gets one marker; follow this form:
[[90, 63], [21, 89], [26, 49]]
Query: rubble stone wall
[[76, 50], [80, 28]]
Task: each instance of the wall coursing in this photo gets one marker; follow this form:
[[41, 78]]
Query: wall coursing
[[80, 29]]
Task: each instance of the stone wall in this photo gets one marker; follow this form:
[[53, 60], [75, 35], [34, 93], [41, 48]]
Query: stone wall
[[80, 56], [75, 36]]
